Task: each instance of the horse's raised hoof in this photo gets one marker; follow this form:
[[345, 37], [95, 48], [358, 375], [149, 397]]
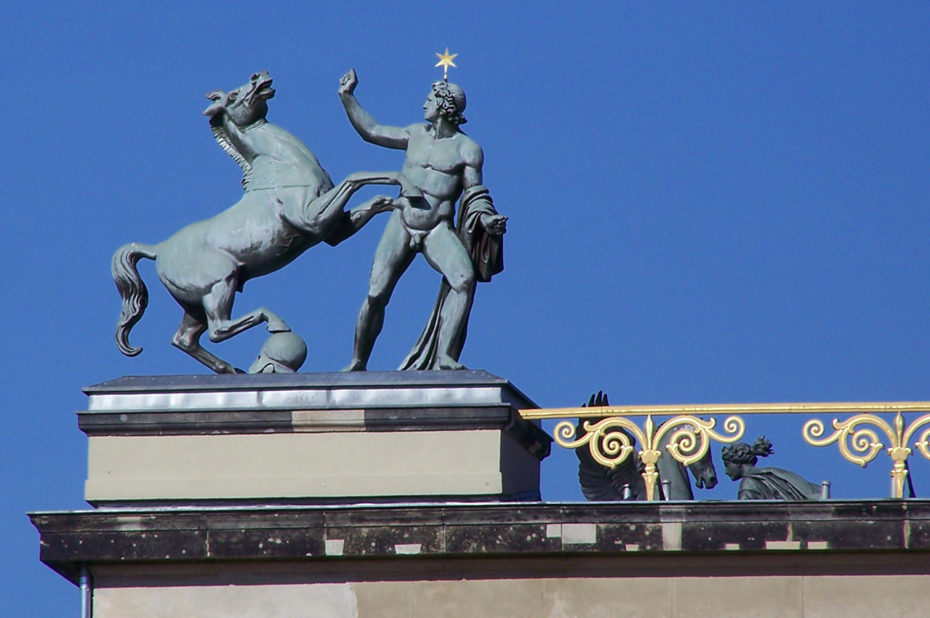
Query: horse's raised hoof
[[277, 325]]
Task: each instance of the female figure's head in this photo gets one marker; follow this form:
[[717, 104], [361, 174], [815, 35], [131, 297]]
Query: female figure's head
[[741, 456]]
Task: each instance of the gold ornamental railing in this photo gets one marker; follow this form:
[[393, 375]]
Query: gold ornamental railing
[[689, 432]]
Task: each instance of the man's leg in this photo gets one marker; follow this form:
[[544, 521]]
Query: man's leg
[[445, 253], [392, 258]]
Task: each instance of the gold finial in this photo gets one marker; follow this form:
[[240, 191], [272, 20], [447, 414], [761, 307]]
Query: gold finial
[[445, 61]]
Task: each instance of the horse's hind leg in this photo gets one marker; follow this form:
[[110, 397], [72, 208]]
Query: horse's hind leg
[[187, 339], [217, 305]]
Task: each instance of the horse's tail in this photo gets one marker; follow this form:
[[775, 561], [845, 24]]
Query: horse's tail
[[131, 289]]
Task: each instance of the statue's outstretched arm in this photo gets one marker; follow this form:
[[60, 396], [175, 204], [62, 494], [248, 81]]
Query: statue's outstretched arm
[[364, 123]]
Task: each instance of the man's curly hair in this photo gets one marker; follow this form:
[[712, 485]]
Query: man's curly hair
[[448, 108], [742, 453]]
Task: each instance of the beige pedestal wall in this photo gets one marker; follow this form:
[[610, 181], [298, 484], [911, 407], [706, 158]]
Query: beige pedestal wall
[[300, 465]]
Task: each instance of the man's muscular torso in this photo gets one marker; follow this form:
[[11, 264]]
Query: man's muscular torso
[[438, 167]]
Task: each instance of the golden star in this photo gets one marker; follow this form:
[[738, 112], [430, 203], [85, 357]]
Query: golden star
[[445, 61]]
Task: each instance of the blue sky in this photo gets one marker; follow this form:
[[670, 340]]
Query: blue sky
[[714, 203]]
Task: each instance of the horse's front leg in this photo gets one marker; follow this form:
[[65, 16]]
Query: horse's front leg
[[324, 208], [325, 218], [407, 188]]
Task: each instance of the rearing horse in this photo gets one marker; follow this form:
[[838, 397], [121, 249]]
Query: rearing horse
[[289, 205]]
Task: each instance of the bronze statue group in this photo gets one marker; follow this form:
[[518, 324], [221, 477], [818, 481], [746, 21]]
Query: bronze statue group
[[290, 204]]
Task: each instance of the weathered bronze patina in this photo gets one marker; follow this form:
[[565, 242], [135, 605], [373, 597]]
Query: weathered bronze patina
[[444, 164], [289, 205], [764, 483]]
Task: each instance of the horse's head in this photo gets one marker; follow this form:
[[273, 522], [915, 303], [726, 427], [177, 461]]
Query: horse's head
[[705, 476], [245, 104]]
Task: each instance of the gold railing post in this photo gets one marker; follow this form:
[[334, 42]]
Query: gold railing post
[[649, 455]]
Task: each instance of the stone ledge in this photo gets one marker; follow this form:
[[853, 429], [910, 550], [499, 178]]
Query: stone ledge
[[728, 532], [142, 423], [365, 389], [357, 379], [388, 401]]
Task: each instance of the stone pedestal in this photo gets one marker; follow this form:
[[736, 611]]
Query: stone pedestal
[[305, 438]]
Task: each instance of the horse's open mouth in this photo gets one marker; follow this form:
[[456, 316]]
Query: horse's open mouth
[[264, 89]]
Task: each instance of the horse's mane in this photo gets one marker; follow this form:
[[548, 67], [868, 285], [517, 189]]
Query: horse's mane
[[222, 138]]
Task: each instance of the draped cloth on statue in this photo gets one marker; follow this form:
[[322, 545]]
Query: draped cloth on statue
[[487, 256], [776, 484]]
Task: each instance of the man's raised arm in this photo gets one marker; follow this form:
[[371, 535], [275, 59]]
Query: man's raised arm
[[367, 127]]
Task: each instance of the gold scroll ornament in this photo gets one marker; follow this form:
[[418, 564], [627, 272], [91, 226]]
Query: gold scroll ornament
[[689, 438], [858, 440]]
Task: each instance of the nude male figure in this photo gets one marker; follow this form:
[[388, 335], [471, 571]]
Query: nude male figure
[[441, 162]]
